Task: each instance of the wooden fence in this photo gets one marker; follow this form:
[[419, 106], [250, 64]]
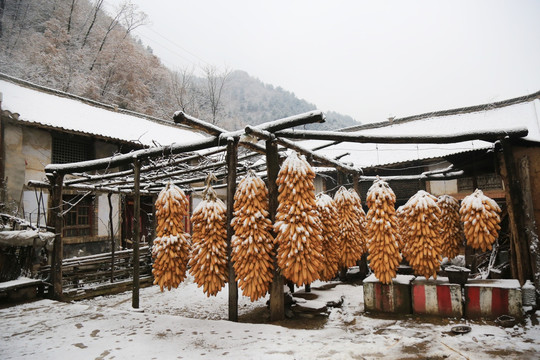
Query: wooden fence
[[93, 275]]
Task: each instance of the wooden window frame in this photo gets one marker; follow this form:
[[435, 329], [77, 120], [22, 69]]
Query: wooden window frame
[[78, 210]]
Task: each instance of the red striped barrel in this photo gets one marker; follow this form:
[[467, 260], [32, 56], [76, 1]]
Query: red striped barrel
[[394, 297], [436, 297], [493, 298]]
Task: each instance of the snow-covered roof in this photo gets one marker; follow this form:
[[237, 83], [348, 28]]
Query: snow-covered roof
[[513, 113], [49, 108]]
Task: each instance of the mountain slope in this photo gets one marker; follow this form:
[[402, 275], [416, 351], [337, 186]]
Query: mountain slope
[[76, 47]]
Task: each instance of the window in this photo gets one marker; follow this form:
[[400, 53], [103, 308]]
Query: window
[[484, 182], [71, 149], [78, 215]]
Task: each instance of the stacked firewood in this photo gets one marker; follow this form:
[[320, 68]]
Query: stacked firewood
[[170, 250], [382, 232], [297, 227], [252, 243]]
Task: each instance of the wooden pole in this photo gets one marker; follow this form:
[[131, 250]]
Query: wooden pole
[[292, 145], [57, 221], [518, 241], [277, 296], [530, 223], [232, 162], [111, 229], [136, 231], [360, 137]]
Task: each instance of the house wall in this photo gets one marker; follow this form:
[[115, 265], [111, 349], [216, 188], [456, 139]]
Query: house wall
[[444, 187], [36, 149], [27, 151], [14, 162]]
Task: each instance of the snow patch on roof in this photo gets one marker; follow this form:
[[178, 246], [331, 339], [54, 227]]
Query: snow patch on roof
[[60, 112]]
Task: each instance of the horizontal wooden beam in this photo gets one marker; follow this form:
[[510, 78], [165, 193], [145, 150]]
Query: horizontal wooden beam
[[125, 159], [99, 177], [361, 137], [262, 134]]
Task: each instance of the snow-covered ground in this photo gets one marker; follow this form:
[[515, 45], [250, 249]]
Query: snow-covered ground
[[185, 324]]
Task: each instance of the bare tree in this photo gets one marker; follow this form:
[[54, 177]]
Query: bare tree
[[97, 8], [183, 89], [2, 7], [215, 81], [70, 15], [132, 18]]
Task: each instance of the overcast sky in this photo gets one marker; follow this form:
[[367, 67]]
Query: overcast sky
[[366, 59]]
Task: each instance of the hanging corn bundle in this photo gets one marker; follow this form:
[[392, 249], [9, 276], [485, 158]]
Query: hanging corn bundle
[[481, 220], [330, 226], [420, 225], [208, 262], [451, 231], [360, 214], [170, 250], [252, 243], [402, 244], [382, 232], [351, 237], [297, 227]]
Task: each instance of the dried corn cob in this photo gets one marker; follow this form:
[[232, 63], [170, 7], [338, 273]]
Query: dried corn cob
[[451, 230], [420, 224], [170, 250], [480, 216], [382, 232], [351, 235], [252, 243], [330, 227], [208, 262], [297, 227]]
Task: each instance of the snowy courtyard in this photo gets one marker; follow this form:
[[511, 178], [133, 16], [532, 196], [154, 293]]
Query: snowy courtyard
[[185, 324]]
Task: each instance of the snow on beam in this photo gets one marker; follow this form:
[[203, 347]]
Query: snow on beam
[[90, 177], [486, 135], [309, 117], [182, 118], [83, 187], [125, 159], [291, 145], [424, 176]]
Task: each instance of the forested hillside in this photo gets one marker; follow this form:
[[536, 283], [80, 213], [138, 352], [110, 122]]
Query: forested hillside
[[76, 47]]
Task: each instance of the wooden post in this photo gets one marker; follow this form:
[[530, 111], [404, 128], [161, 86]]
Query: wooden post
[[341, 178], [111, 227], [530, 223], [277, 296], [232, 162], [136, 230], [518, 241], [356, 183], [56, 220]]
